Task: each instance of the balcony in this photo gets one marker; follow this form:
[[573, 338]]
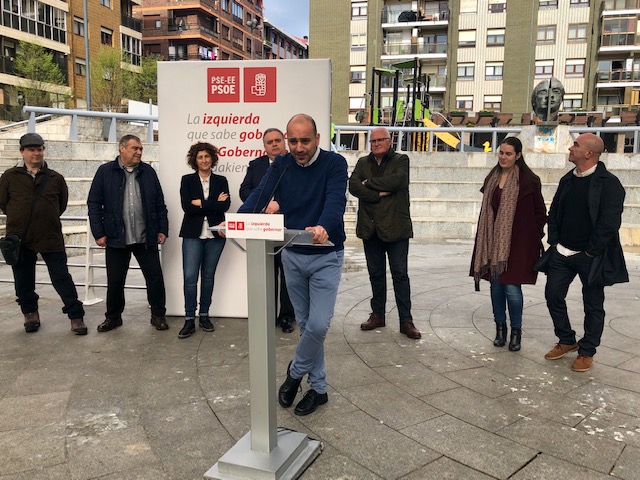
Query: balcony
[[621, 5], [414, 48], [188, 56], [400, 16], [130, 22], [618, 75], [620, 39], [192, 28]]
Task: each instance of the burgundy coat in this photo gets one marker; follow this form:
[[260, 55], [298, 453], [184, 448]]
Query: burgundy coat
[[526, 235]]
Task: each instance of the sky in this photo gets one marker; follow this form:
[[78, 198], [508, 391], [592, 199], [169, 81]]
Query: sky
[[290, 15]]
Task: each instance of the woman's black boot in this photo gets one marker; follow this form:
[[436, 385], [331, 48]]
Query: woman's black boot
[[514, 342], [501, 335]]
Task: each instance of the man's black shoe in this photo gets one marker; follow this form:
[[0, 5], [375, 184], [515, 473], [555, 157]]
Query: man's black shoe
[[287, 324], [109, 324], [205, 323], [288, 390], [310, 402]]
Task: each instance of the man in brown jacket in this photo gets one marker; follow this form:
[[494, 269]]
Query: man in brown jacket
[[381, 183], [37, 223]]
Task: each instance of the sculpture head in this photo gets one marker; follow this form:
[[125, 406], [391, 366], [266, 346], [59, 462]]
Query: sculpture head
[[546, 98]]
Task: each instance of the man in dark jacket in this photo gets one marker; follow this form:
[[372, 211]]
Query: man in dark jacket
[[584, 221], [38, 225], [381, 182], [273, 141], [128, 215]]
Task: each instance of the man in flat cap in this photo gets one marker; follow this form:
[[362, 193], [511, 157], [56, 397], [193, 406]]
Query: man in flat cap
[[34, 197]]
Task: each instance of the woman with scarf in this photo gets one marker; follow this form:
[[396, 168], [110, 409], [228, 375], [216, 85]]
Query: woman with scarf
[[509, 237]]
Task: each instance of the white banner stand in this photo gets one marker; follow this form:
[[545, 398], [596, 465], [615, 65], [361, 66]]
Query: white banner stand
[[263, 453]]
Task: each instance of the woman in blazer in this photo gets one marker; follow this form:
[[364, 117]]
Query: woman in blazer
[[204, 197], [509, 237]]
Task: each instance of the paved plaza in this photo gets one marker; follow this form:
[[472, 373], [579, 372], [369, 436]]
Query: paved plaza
[[136, 403]]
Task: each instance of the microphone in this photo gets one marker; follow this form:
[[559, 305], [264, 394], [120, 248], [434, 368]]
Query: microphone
[[263, 187], [273, 193]]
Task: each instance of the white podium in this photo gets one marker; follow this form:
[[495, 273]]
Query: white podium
[[265, 453]]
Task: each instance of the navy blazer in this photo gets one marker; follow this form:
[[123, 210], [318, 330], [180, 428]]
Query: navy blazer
[[255, 171], [191, 189]]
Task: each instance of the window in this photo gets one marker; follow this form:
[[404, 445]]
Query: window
[[495, 37], [493, 71], [358, 10], [466, 71], [467, 38], [225, 32], [548, 4], [619, 31], [358, 41], [578, 3], [224, 5], [106, 36], [572, 102], [358, 74], [469, 6], [237, 10], [544, 68], [131, 49], [620, 4], [497, 6], [574, 68], [577, 33], [78, 26], [80, 67], [464, 103], [546, 35], [492, 102], [105, 3]]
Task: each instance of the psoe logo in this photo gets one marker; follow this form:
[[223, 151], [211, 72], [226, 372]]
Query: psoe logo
[[238, 226], [260, 84], [223, 85]]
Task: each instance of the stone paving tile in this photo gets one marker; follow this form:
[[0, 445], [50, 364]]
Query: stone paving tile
[[416, 379], [467, 341], [545, 466], [446, 469], [605, 396], [369, 442], [475, 409], [390, 405], [40, 410], [476, 448], [148, 472], [574, 446], [348, 371], [226, 386], [332, 465], [32, 448], [612, 425], [627, 465], [482, 380], [557, 408], [55, 472], [446, 359], [633, 365], [384, 354]]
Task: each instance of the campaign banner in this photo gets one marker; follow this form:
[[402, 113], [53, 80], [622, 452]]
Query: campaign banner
[[257, 226], [228, 104]]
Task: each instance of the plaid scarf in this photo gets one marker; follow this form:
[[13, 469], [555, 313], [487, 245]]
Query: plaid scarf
[[493, 240]]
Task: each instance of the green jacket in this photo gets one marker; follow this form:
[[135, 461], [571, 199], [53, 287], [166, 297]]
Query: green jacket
[[16, 193], [388, 216]]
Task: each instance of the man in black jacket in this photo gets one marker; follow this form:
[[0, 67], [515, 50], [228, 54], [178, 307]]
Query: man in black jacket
[[381, 183], [584, 223], [39, 228], [273, 141], [128, 215]]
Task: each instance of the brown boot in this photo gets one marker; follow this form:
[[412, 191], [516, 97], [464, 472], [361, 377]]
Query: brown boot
[[78, 327], [375, 321], [31, 322], [409, 329]]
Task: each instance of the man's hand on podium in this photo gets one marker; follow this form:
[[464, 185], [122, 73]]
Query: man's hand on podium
[[222, 230], [320, 235]]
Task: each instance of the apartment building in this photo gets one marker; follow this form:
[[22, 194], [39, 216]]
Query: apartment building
[[111, 24], [476, 55], [280, 45]]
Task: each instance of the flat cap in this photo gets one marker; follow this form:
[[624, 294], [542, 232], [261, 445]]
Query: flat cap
[[31, 140]]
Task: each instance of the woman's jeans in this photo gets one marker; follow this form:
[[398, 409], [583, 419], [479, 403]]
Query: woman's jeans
[[199, 259], [506, 295]]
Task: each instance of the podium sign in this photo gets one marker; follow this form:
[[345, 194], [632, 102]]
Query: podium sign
[[257, 226]]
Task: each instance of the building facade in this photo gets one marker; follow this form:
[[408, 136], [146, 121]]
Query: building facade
[[476, 55]]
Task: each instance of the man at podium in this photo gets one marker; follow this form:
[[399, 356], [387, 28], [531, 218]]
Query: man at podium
[[311, 184]]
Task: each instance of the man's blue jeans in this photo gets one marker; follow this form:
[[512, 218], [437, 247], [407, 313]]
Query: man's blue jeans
[[312, 281], [199, 259], [503, 295]]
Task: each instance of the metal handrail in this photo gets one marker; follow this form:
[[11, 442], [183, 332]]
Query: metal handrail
[[73, 129]]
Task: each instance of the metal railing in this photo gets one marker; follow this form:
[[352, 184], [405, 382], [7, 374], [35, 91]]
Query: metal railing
[[89, 265], [494, 134], [113, 117]]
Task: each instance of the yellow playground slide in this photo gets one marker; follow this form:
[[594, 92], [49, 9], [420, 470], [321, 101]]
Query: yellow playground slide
[[446, 137]]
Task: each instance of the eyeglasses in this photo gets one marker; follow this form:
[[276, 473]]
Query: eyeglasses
[[373, 141]]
